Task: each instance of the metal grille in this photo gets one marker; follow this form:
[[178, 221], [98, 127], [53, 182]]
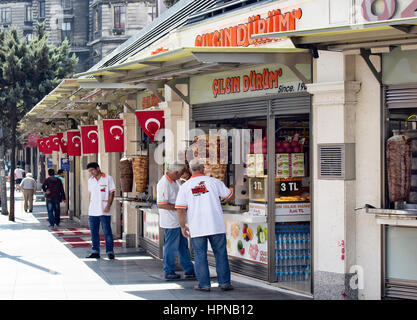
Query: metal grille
[[292, 105], [401, 289], [401, 96], [331, 162], [228, 110]]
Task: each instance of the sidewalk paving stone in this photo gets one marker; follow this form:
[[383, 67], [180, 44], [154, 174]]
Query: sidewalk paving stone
[[37, 263]]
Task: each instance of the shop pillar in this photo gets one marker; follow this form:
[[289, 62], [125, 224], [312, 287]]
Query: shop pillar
[[334, 220], [130, 215], [109, 163]]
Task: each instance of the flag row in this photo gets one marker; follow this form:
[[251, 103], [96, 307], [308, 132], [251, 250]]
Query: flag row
[[86, 140]]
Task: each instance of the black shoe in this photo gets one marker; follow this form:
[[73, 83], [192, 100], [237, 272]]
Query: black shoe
[[226, 287], [93, 255], [111, 256], [172, 276], [201, 289]]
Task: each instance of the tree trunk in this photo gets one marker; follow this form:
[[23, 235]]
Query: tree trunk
[[3, 179], [12, 168]]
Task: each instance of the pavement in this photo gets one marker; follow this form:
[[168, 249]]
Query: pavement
[[37, 263]]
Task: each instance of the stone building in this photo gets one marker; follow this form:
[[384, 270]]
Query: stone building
[[93, 27]]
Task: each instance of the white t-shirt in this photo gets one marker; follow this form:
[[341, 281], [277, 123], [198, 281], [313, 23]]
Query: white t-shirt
[[166, 192], [18, 173], [100, 192], [200, 195]]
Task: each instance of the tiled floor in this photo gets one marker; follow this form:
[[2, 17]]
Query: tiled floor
[[38, 264]]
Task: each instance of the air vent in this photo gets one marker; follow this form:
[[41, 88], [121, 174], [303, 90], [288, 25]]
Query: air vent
[[336, 161]]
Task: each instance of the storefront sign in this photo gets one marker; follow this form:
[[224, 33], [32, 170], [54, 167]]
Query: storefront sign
[[49, 164], [247, 83], [148, 99], [281, 209], [240, 35], [65, 164], [390, 7]]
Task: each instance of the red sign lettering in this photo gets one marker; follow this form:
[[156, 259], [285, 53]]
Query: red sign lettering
[[240, 35]]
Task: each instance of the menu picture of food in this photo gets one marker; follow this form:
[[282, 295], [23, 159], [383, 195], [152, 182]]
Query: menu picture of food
[[283, 165], [250, 162], [297, 165], [259, 170]]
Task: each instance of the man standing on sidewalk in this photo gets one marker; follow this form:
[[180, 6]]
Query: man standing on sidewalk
[[28, 187], [198, 203], [54, 194], [175, 242], [101, 188], [18, 175]]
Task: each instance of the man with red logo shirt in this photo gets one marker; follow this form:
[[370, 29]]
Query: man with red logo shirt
[[198, 203]]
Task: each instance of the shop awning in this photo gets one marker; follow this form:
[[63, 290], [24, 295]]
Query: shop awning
[[364, 35], [189, 61], [74, 97]]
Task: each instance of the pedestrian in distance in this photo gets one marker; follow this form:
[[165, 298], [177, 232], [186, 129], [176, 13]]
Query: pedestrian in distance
[[54, 194], [101, 188], [198, 203], [18, 176], [175, 243], [28, 187]]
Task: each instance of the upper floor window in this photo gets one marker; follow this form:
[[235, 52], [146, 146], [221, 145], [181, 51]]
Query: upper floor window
[[66, 4], [6, 15], [119, 17], [96, 21], [28, 13], [66, 30], [42, 9]]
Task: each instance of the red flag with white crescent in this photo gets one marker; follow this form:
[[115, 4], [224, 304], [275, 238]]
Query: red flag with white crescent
[[89, 139], [151, 121], [114, 131], [74, 143], [62, 142], [54, 142], [47, 145], [41, 145]]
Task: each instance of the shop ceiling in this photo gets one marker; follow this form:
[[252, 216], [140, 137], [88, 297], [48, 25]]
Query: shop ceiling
[[74, 98], [176, 66], [189, 61]]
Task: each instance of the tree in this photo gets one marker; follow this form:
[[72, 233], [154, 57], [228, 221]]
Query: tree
[[28, 71]]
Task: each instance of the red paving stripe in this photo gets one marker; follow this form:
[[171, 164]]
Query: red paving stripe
[[78, 242]]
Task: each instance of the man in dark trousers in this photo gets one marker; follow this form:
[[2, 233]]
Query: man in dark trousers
[[54, 194]]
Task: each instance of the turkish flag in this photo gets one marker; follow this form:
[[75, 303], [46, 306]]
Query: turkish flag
[[54, 142], [151, 121], [47, 146], [74, 143], [62, 142], [41, 145], [113, 135], [89, 138]]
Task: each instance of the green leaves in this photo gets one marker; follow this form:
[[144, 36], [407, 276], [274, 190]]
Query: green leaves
[[29, 71]]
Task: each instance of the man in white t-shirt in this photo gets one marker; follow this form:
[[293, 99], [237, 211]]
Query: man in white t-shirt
[[167, 190], [18, 175], [101, 188], [198, 203]]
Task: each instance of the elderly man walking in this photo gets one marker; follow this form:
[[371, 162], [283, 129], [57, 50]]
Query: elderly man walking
[[167, 190], [198, 203], [28, 187]]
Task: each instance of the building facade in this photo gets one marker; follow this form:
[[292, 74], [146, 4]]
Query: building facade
[[113, 22], [93, 28]]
